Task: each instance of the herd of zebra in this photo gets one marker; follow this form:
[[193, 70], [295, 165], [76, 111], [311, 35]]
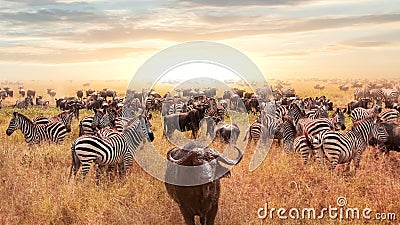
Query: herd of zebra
[[111, 147], [113, 134]]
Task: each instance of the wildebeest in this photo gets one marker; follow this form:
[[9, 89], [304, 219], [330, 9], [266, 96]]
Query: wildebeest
[[229, 133], [344, 87], [192, 179], [363, 103], [393, 142], [188, 121], [21, 92], [79, 94], [51, 92], [31, 93], [319, 87], [10, 92], [40, 101]]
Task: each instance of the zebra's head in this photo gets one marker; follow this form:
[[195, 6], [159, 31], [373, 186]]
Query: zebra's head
[[98, 116], [379, 131], [14, 124], [146, 126], [339, 119]]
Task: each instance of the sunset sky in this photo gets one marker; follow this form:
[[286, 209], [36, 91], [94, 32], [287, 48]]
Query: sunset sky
[[90, 39]]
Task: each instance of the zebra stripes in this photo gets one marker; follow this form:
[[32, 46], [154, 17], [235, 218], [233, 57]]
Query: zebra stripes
[[361, 113], [344, 147], [389, 116], [85, 126], [264, 127], [117, 149], [36, 133], [64, 117]]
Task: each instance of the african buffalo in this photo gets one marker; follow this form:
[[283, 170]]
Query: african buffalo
[[192, 179], [228, 132]]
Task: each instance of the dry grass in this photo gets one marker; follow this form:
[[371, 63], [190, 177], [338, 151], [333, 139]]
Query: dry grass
[[34, 187]]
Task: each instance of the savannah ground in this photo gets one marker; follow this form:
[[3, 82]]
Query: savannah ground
[[34, 186]]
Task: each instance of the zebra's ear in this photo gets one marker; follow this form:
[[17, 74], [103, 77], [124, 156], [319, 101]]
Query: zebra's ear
[[15, 114]]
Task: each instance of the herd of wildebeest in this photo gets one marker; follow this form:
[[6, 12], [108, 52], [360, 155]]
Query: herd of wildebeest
[[310, 126]]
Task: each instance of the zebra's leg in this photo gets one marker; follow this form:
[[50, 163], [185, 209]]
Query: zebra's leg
[[86, 167]]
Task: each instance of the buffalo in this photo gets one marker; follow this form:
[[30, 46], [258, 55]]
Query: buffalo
[[229, 133], [192, 179]]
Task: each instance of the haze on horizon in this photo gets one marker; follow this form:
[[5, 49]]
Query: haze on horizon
[[109, 40]]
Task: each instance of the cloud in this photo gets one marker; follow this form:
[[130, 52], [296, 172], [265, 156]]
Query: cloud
[[368, 44], [227, 3], [45, 55]]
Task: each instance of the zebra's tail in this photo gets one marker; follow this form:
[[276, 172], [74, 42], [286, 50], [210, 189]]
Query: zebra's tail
[[313, 142], [76, 163]]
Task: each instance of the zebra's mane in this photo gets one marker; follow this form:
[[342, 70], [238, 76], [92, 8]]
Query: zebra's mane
[[373, 116], [23, 116]]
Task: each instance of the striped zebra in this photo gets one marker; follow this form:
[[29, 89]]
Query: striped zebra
[[85, 126], [266, 127], [319, 112], [391, 94], [361, 93], [177, 108], [377, 94], [361, 113], [289, 134], [314, 126], [36, 133], [389, 116], [104, 118], [344, 147], [115, 150], [309, 128], [64, 117]]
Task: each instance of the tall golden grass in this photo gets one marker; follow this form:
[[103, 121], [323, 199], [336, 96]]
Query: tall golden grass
[[34, 185]]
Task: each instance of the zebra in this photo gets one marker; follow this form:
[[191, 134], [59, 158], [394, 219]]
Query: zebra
[[377, 94], [391, 94], [24, 103], [361, 93], [361, 113], [344, 147], [389, 116], [115, 150], [85, 126], [177, 108], [319, 112], [289, 133], [309, 128], [64, 117], [264, 127], [35, 133]]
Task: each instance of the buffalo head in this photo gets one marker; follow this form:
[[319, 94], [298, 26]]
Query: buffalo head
[[193, 180]]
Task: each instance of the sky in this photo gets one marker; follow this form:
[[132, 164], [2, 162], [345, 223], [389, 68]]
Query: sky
[[105, 40]]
